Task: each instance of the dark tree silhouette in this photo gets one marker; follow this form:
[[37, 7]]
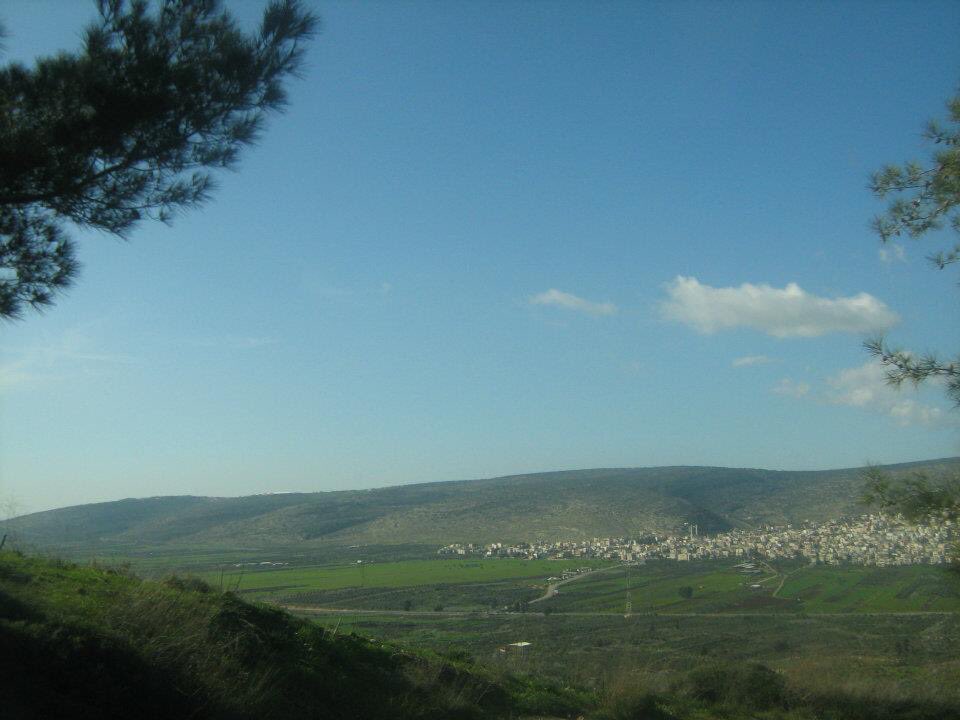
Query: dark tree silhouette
[[128, 127]]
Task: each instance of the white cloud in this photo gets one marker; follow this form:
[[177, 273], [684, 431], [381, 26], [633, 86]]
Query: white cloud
[[786, 312], [866, 387], [748, 360], [567, 301], [791, 388]]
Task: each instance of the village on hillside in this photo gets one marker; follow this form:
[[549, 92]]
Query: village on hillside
[[876, 539]]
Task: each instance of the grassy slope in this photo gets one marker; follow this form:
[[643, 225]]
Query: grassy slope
[[90, 642], [574, 504]]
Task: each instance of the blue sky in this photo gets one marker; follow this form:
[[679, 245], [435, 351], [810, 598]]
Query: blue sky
[[494, 238]]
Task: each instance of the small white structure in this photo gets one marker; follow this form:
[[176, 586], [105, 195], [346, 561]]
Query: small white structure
[[517, 648]]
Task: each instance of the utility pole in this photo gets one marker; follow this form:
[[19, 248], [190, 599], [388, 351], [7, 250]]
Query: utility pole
[[628, 608]]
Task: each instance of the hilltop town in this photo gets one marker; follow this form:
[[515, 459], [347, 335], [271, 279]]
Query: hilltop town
[[876, 539]]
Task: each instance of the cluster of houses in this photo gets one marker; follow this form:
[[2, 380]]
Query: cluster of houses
[[876, 539]]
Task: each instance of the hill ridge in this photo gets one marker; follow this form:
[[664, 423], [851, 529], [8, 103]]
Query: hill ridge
[[564, 504]]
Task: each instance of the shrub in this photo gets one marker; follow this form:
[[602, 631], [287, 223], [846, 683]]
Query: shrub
[[635, 705], [749, 685], [187, 584]]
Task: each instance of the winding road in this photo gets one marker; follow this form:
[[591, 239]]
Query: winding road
[[552, 588]]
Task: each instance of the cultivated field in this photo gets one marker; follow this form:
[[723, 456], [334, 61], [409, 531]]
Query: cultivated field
[[656, 587], [721, 587], [366, 578]]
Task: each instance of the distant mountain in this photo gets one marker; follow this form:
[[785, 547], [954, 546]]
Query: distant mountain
[[556, 505]]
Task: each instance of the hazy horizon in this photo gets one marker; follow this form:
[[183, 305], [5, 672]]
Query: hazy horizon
[[486, 239]]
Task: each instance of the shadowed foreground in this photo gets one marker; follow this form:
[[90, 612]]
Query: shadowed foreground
[[94, 642]]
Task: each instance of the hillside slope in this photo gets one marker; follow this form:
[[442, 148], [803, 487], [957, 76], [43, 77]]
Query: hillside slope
[[557, 505], [89, 642]]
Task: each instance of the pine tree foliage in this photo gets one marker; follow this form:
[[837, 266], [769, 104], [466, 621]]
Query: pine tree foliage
[[918, 497], [129, 127], [924, 198]]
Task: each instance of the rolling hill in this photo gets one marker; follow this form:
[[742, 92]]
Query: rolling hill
[[555, 505]]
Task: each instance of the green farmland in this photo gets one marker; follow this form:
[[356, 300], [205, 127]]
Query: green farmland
[[274, 583], [721, 588], [911, 588], [656, 587]]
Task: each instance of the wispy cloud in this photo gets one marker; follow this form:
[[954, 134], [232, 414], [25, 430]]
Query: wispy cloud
[[347, 293], [866, 387], [749, 360], [231, 342], [892, 252], [16, 373], [791, 388], [560, 299], [248, 343], [780, 312], [73, 352]]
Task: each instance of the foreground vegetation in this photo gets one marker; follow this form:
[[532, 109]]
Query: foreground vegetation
[[831, 666], [91, 641]]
